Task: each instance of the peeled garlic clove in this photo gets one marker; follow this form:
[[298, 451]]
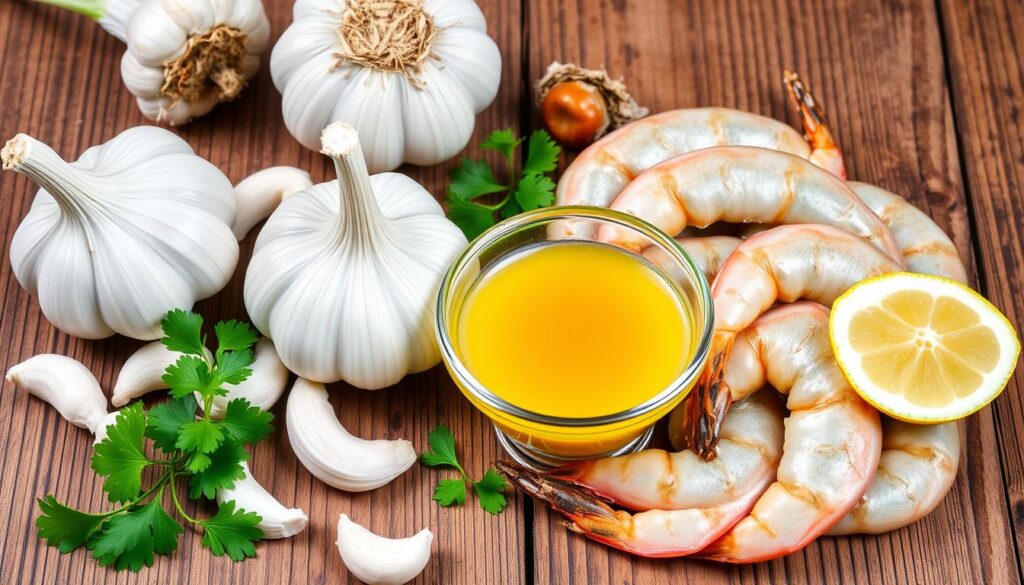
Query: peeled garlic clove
[[143, 371], [101, 428], [265, 385], [330, 453], [66, 384], [277, 521], [376, 560], [259, 194]]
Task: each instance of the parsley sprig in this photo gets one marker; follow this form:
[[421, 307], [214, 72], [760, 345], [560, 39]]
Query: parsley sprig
[[489, 489], [530, 189], [198, 451]]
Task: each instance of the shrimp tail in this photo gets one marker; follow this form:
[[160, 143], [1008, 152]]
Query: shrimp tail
[[825, 150], [711, 400]]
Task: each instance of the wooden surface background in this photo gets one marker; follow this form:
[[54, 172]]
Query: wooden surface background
[[925, 97]]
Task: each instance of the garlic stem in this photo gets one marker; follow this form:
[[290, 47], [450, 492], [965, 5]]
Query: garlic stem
[[91, 8], [360, 217], [68, 185], [113, 15]]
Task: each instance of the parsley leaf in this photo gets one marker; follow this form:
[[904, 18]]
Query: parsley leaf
[[442, 444], [183, 332], [119, 457], [202, 436], [225, 467], [187, 375], [489, 490], [234, 336], [166, 418], [448, 492], [129, 540], [529, 189], [233, 368], [246, 423], [64, 527], [232, 532]]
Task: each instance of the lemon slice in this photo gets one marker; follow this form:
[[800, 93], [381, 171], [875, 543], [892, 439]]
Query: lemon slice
[[922, 348]]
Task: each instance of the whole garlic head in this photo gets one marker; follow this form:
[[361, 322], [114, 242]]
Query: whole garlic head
[[344, 275], [136, 227], [410, 75]]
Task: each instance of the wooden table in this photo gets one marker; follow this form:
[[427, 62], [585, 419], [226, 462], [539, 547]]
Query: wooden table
[[926, 98]]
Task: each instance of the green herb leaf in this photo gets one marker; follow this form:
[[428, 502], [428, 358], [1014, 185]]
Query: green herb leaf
[[120, 457], [166, 418], [197, 462], [201, 436], [246, 423], [64, 527], [442, 445], [473, 219], [503, 141], [233, 368], [189, 374], [183, 332], [129, 540], [473, 179], [535, 191], [541, 154], [450, 492], [224, 469], [489, 490], [235, 336], [232, 532]]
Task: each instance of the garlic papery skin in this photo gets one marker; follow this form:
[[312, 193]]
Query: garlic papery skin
[[376, 560], [142, 372], [330, 453], [101, 429], [409, 75], [277, 521], [259, 194], [262, 389], [66, 384], [344, 275], [134, 228]]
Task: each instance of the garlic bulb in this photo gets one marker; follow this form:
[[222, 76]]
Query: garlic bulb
[[183, 57], [136, 227], [276, 520], [376, 560], [344, 275], [330, 453], [259, 194], [410, 75], [66, 384]]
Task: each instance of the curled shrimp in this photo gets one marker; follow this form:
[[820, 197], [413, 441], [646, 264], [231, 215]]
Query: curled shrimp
[[787, 263], [833, 438], [700, 500]]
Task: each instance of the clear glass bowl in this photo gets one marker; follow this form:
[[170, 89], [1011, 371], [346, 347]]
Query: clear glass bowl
[[541, 440]]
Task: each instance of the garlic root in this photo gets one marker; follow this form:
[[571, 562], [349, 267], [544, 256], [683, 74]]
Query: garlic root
[[277, 521], [376, 560], [66, 384], [330, 453], [259, 194]]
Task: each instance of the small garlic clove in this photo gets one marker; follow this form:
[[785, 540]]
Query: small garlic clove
[[101, 428], [277, 521], [142, 372], [66, 384], [265, 385], [259, 194], [376, 560], [330, 453]]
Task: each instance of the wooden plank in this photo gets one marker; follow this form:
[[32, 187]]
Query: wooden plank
[[879, 68], [62, 84], [986, 64]]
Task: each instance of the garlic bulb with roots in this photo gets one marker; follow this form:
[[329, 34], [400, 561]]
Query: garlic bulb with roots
[[344, 275], [183, 57], [134, 228], [409, 75]]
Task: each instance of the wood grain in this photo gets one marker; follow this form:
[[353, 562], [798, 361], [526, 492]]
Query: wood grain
[[880, 69], [61, 83]]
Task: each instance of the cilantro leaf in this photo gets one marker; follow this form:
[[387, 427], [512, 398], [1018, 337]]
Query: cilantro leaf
[[535, 191], [129, 540], [183, 332], [489, 491], [64, 527], [472, 179], [234, 336], [473, 219], [225, 467], [247, 423], [166, 418], [233, 368], [442, 445], [197, 462], [541, 154], [232, 532], [503, 141], [189, 374], [202, 436], [120, 457], [450, 491]]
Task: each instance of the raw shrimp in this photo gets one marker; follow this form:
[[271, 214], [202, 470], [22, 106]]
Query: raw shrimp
[[826, 153], [707, 252], [833, 438], [702, 500], [743, 184], [790, 262]]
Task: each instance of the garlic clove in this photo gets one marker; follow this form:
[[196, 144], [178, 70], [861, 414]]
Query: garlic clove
[[471, 57], [66, 384], [265, 385], [439, 104], [307, 113], [330, 453], [277, 521], [142, 372], [194, 16], [101, 428], [376, 560], [259, 194], [141, 81], [369, 103], [153, 37]]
